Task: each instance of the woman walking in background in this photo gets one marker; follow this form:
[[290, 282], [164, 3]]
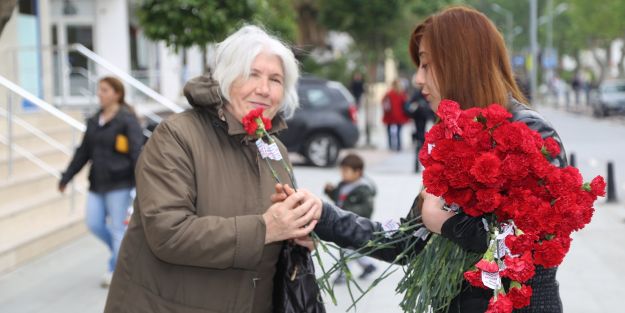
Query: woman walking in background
[[112, 143], [394, 116]]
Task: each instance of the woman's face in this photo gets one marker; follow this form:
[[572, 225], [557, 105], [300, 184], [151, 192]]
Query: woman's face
[[107, 95], [263, 89], [426, 78]]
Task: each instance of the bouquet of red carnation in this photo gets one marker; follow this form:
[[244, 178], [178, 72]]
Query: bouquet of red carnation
[[485, 165]]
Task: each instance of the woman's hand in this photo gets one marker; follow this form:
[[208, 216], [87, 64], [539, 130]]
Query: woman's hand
[[283, 191], [292, 218], [432, 212]]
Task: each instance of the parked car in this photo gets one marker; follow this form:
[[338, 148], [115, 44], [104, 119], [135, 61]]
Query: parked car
[[610, 98], [324, 124]]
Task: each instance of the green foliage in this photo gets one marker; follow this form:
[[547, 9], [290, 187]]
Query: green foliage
[[332, 70], [374, 25], [278, 17], [184, 23]]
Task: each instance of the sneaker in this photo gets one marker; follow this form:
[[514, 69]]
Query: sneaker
[[106, 280], [367, 271]]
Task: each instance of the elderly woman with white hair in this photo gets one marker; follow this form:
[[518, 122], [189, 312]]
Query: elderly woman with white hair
[[204, 236]]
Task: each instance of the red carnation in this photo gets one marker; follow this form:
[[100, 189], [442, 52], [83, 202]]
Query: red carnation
[[597, 186], [487, 266], [515, 166], [254, 122], [487, 168], [449, 112], [474, 278], [503, 304], [431, 179], [520, 268], [520, 296], [552, 147], [487, 200], [461, 197], [550, 253], [495, 114], [521, 244]]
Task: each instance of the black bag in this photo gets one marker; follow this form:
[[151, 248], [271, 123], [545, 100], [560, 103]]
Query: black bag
[[295, 284]]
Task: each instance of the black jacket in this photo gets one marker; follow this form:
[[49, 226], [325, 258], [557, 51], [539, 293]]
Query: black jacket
[[351, 231], [110, 169]]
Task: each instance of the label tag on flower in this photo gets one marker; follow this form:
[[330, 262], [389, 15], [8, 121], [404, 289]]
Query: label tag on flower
[[491, 280], [507, 229], [502, 249], [390, 228], [263, 148], [421, 233], [274, 152], [430, 147]]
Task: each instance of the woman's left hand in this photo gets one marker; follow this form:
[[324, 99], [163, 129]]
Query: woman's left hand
[[432, 212]]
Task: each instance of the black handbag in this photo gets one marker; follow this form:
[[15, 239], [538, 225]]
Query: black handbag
[[295, 284]]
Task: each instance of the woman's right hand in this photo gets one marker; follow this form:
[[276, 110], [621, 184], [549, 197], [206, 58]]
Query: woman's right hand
[[293, 217], [62, 188]]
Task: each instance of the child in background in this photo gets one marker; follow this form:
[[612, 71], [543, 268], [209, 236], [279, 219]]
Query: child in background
[[354, 193]]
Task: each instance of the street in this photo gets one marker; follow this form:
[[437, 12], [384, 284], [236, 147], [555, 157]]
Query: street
[[67, 280]]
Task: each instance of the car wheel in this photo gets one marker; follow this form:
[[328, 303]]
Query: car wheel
[[599, 112], [322, 150]]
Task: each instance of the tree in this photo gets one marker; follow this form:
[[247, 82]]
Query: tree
[[6, 11], [375, 25], [598, 26], [182, 24], [279, 17]]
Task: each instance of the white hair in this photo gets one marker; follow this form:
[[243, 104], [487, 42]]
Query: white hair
[[235, 55]]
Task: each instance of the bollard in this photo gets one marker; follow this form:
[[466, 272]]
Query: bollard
[[611, 193], [572, 160]]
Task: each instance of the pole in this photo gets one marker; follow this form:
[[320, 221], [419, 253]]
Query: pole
[[611, 194], [534, 47], [9, 133], [572, 160]]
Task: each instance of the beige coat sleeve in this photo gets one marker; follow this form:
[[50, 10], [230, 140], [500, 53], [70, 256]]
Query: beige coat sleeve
[[166, 195]]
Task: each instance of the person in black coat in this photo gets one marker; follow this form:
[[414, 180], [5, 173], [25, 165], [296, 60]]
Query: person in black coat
[[112, 143], [418, 109]]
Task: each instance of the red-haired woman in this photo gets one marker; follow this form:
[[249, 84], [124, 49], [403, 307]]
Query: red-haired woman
[[460, 56]]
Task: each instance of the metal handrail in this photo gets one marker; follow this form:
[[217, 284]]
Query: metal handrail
[[126, 77], [38, 133], [43, 165], [42, 104], [31, 157]]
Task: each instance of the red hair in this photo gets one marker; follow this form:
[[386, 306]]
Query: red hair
[[468, 56]]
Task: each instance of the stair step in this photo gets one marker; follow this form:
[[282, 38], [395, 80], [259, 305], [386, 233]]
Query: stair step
[[41, 240], [19, 217], [25, 187]]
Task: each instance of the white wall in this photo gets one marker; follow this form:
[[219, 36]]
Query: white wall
[[112, 39], [170, 72]]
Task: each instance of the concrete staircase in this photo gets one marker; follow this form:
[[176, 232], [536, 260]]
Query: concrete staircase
[[34, 217]]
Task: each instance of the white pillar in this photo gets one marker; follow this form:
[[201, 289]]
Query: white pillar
[[112, 38], [170, 72]]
